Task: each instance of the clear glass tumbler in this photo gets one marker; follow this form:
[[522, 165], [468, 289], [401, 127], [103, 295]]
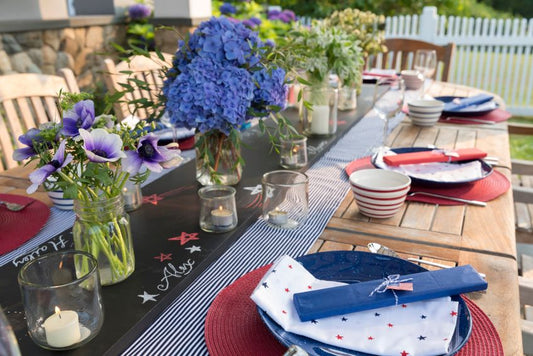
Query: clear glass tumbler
[[293, 152], [285, 199], [218, 211], [61, 297]]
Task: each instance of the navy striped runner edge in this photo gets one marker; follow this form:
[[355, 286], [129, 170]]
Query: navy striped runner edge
[[179, 330]]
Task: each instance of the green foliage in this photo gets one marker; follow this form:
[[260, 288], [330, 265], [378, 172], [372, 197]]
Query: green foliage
[[323, 49]]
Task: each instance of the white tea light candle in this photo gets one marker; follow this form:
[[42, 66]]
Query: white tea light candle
[[278, 217], [62, 328], [221, 217]]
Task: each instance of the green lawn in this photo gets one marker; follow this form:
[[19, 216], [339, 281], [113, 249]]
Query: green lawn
[[522, 146]]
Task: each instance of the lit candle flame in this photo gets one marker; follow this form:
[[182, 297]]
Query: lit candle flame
[[220, 208], [58, 312], [295, 150]]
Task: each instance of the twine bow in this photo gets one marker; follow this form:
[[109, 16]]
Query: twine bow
[[393, 279], [448, 153]]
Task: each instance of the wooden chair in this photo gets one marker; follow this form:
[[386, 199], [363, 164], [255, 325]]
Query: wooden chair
[[401, 52], [522, 180], [27, 100], [145, 69]]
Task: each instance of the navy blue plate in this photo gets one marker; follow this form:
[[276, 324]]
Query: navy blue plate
[[353, 267], [485, 167], [469, 111]]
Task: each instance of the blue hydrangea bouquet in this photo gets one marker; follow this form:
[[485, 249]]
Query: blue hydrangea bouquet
[[222, 76]]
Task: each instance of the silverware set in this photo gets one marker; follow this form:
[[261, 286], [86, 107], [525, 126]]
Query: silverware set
[[14, 206]]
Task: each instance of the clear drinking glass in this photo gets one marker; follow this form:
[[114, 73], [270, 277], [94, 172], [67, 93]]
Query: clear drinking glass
[[425, 62], [389, 105], [61, 298], [218, 211], [285, 199], [132, 195]]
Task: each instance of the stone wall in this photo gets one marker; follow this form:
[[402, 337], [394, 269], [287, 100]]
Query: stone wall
[[81, 49]]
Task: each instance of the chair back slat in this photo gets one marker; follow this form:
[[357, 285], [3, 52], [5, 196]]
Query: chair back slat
[[38, 108], [148, 70], [27, 100]]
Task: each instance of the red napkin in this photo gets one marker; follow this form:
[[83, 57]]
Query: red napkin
[[465, 154], [18, 227], [497, 115]]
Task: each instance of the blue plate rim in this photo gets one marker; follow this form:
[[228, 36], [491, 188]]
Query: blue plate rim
[[428, 182], [447, 98], [277, 331]]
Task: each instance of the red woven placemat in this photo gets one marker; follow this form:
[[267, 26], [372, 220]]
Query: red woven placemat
[[497, 115], [233, 325], [17, 227], [484, 189]]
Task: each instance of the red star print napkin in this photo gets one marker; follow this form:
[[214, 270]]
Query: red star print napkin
[[420, 328]]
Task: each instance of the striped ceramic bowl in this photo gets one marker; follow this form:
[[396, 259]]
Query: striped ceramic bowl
[[379, 193], [425, 112], [59, 201]]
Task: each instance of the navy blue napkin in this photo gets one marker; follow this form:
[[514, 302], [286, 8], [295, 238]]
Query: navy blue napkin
[[372, 294], [466, 102]]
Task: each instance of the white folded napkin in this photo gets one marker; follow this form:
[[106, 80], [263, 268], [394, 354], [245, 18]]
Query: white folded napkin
[[435, 171], [421, 328]]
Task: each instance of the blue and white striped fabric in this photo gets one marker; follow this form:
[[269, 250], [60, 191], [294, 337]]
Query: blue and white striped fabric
[[60, 220], [179, 330]]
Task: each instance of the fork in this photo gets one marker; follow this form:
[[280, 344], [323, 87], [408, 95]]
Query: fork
[[15, 206], [466, 201]]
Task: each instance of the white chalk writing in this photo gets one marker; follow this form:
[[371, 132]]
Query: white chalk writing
[[176, 272], [56, 244]]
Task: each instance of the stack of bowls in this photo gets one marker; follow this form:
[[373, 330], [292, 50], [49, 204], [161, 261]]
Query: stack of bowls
[[425, 112], [379, 193], [413, 79]]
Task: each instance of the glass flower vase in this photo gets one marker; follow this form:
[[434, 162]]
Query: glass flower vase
[[218, 158], [102, 228]]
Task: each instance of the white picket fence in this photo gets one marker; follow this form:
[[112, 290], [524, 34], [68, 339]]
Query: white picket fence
[[492, 54]]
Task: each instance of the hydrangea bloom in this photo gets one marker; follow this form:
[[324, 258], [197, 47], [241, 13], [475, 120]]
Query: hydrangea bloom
[[286, 16], [217, 80], [227, 8], [139, 11]]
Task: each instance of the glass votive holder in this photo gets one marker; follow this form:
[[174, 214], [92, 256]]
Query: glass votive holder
[[322, 119], [293, 152], [285, 199], [218, 212], [61, 298], [132, 195]]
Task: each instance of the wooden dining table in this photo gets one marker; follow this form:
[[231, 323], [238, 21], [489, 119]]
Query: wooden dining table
[[452, 235]]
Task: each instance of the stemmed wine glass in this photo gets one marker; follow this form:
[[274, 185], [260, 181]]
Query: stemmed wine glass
[[389, 105], [425, 62]]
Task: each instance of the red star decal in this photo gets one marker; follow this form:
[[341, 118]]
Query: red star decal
[[185, 237], [390, 325], [404, 306], [287, 290], [370, 338], [404, 353], [453, 313], [163, 257], [339, 337], [284, 312], [290, 266], [445, 339], [152, 199], [309, 287]]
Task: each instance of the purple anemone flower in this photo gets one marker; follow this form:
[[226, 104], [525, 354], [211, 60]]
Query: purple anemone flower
[[101, 146], [27, 139], [59, 161], [227, 8], [147, 153], [81, 116], [139, 11]]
